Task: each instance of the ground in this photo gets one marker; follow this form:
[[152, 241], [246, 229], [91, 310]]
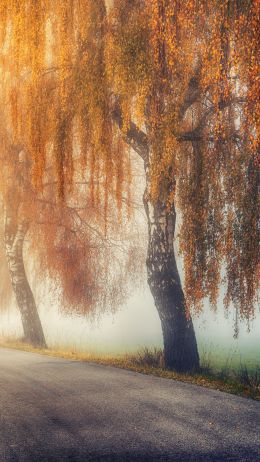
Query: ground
[[54, 409]]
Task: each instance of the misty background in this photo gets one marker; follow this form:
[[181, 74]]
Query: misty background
[[136, 325]]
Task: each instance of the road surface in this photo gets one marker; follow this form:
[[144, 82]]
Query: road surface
[[58, 410]]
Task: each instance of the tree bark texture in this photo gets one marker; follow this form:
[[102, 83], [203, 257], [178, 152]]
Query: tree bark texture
[[15, 232], [180, 346]]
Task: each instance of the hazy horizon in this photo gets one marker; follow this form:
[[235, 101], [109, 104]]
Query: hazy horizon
[[137, 325]]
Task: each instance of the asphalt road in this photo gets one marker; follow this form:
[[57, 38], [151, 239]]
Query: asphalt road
[[59, 410]]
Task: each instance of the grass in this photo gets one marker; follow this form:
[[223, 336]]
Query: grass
[[240, 381]]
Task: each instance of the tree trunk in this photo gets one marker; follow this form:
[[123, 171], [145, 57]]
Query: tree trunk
[[15, 232], [180, 346]]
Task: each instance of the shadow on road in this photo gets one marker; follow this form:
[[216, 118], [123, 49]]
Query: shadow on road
[[72, 456]]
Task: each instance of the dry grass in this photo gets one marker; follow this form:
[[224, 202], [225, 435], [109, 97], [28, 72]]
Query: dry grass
[[151, 362]]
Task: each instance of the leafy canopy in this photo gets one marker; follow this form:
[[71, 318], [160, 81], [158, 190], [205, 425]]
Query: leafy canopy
[[186, 74]]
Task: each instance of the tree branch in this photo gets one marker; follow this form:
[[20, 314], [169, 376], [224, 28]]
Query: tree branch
[[135, 137], [196, 133]]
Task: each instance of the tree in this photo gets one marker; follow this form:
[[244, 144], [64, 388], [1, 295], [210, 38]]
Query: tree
[[177, 82], [182, 70], [15, 196], [5, 287], [66, 243]]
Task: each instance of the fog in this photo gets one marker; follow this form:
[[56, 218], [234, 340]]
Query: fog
[[136, 325]]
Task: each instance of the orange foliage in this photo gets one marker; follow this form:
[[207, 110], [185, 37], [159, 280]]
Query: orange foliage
[[187, 74], [199, 88]]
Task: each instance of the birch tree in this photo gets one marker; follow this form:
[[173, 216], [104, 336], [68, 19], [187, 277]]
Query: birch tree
[[177, 83]]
